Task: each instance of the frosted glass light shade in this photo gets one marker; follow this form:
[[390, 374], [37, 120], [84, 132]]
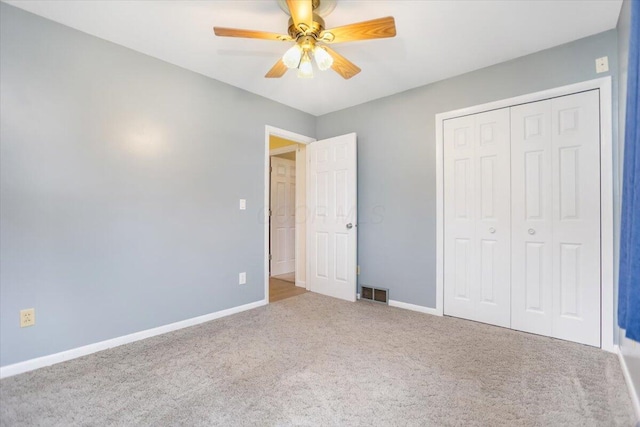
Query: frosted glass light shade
[[305, 70], [291, 57], [323, 59]]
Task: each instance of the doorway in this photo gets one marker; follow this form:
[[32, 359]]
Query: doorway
[[285, 232], [325, 230]]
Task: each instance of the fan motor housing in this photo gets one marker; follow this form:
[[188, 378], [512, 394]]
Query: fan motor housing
[[314, 31]]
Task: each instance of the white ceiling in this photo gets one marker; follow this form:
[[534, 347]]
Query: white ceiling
[[436, 39]]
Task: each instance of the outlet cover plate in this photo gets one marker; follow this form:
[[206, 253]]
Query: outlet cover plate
[[27, 317], [242, 278]]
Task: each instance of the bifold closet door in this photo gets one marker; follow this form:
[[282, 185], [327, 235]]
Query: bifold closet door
[[555, 217], [476, 217]]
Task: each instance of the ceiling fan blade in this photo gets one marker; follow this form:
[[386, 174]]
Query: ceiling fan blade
[[375, 29], [342, 65], [250, 34], [277, 70], [301, 12]]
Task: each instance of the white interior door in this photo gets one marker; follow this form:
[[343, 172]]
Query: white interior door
[[283, 222], [477, 217], [332, 215], [556, 217]]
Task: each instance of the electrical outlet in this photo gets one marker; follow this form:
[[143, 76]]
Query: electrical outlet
[[27, 317], [243, 204], [602, 64], [242, 278]]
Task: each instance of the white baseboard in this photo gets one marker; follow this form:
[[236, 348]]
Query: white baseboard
[[63, 356], [413, 307], [301, 283], [635, 398]]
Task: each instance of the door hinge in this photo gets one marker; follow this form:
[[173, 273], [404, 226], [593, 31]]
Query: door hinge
[[269, 257], [270, 212]]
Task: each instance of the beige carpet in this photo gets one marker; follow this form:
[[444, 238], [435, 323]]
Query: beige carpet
[[313, 360]]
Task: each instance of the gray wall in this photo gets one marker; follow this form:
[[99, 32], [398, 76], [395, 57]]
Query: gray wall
[[630, 349], [396, 157], [120, 180]]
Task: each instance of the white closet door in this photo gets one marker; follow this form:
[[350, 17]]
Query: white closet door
[[576, 217], [493, 218], [556, 218], [476, 212], [531, 222], [459, 216]]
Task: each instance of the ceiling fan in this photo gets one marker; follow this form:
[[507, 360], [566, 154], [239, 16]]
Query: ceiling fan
[[307, 30]]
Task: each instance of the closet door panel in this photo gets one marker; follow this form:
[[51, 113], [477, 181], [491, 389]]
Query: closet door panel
[[476, 188], [492, 292], [459, 233], [576, 217], [531, 218]]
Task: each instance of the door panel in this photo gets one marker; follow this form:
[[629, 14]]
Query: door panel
[[332, 217], [576, 217], [556, 218], [459, 152], [283, 178], [493, 222], [477, 220], [531, 211]]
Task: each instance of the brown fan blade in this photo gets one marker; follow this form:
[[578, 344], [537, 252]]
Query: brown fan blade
[[342, 65], [277, 70], [250, 34], [375, 29], [301, 12]]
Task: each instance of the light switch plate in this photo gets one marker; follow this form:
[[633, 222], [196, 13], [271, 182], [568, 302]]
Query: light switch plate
[[602, 64], [243, 204], [242, 278]]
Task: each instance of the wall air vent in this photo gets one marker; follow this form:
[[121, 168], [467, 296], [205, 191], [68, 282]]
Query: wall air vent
[[374, 294]]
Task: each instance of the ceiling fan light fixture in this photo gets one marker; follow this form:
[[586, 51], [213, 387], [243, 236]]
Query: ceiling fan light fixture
[[323, 59], [291, 57], [305, 70]]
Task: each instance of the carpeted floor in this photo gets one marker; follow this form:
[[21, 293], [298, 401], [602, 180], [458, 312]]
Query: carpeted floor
[[314, 360]]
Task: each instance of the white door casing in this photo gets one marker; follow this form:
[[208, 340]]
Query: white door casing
[[283, 222], [477, 217], [556, 218], [332, 215], [301, 216]]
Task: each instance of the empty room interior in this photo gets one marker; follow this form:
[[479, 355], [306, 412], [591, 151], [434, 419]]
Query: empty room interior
[[320, 212]]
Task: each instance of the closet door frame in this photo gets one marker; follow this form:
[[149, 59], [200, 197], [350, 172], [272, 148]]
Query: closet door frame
[[607, 183]]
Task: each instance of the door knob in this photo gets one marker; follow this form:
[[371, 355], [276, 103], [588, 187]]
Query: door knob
[[532, 231], [492, 230], [349, 226]]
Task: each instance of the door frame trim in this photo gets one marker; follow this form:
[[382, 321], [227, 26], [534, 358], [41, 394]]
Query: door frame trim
[[292, 136], [608, 186]]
